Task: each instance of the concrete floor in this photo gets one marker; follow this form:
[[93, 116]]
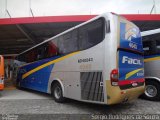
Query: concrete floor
[[15, 94], [37, 102], [27, 102]]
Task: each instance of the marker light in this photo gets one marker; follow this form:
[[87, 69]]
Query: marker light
[[114, 77]]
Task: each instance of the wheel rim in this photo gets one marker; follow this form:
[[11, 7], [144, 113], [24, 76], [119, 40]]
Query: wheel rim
[[57, 92], [151, 91]]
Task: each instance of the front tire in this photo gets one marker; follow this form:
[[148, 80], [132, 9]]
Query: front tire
[[57, 93], [152, 90]]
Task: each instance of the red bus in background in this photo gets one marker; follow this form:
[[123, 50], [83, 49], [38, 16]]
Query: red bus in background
[[1, 72]]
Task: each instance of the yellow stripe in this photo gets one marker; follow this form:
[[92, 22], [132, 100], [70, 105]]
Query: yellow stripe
[[47, 64], [151, 59], [132, 73]]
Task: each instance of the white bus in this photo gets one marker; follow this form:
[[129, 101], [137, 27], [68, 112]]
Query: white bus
[[152, 68], [98, 61]]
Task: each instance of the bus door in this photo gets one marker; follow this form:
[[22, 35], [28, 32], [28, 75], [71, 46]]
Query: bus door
[[1, 72], [130, 55]]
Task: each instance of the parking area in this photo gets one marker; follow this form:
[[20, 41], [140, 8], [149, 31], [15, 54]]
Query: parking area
[[14, 101]]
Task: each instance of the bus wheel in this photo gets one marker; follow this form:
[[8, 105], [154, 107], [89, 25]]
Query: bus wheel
[[57, 92], [152, 91]]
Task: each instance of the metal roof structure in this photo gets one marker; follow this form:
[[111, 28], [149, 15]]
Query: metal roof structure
[[18, 34]]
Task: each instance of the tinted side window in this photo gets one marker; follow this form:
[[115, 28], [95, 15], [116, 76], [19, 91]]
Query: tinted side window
[[158, 46], [68, 42], [52, 48], [91, 34], [149, 47], [22, 58], [78, 39], [42, 51]]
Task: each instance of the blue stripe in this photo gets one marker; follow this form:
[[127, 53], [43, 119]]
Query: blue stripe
[[38, 80], [35, 64]]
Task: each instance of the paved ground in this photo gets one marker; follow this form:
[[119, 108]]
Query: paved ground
[[30, 102], [11, 93]]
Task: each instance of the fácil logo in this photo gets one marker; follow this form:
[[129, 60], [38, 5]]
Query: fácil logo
[[128, 60]]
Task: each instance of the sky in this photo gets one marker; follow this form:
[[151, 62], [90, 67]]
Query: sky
[[21, 8]]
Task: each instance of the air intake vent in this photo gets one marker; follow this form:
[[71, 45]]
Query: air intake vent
[[92, 86]]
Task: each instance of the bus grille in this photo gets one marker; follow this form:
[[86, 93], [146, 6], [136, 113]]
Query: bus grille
[[90, 86]]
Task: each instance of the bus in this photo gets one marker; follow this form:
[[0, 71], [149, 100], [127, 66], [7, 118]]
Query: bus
[[152, 67], [1, 72], [98, 61]]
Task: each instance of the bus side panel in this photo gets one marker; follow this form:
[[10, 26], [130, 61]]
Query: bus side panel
[[38, 80], [1, 73], [70, 82], [71, 72], [151, 66]]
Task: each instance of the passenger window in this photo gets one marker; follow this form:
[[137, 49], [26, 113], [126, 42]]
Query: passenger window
[[22, 58], [39, 55], [91, 34], [158, 46], [68, 42], [149, 47], [40, 52], [52, 49], [61, 45], [78, 39]]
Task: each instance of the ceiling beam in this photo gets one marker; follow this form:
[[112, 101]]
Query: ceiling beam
[[10, 52], [26, 34], [150, 32], [6, 44], [15, 47]]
